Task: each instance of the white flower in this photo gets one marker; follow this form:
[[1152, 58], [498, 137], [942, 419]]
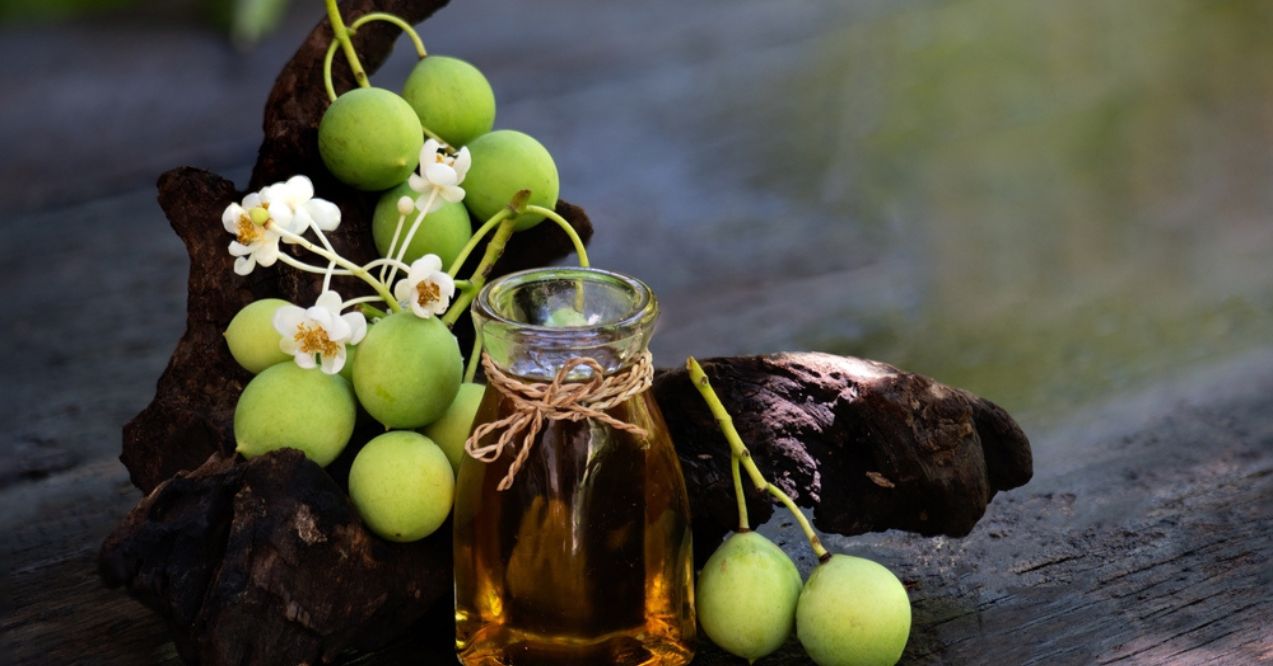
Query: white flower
[[441, 172], [254, 241], [427, 289], [319, 330], [293, 205]]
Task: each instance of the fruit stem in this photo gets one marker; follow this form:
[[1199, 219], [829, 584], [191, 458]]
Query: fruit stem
[[742, 454], [415, 226], [341, 33], [471, 371], [743, 524], [327, 69], [372, 312], [565, 226], [352, 268], [302, 266], [393, 245], [390, 18], [494, 250], [477, 237]]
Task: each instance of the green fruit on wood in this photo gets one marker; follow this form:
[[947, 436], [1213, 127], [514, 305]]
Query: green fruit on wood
[[402, 485], [443, 232], [408, 370], [451, 430], [452, 99], [853, 612], [370, 138], [504, 163], [287, 406], [251, 337], [746, 596]]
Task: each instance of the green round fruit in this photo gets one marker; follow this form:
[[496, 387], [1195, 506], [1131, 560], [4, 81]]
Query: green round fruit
[[746, 596], [402, 486], [443, 232], [408, 370], [287, 406], [370, 138], [251, 337], [853, 612], [347, 371], [453, 427], [504, 163], [451, 98]]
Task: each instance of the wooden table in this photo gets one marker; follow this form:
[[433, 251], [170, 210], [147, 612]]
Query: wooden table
[[1146, 534]]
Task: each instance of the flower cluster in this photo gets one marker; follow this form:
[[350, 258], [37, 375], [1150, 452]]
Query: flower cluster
[[319, 332], [280, 211]]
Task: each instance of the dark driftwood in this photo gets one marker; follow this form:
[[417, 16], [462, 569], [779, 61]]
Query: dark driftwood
[[867, 446], [267, 562]]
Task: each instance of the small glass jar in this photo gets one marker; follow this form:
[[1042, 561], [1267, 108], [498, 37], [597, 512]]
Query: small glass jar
[[586, 557]]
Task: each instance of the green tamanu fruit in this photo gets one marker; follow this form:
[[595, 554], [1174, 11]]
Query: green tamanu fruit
[[452, 99], [746, 596], [347, 371], [444, 232], [370, 138], [402, 485], [408, 370], [504, 163], [287, 406], [251, 337], [853, 612], [452, 428]]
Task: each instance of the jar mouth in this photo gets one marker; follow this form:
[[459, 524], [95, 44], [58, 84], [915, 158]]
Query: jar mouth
[[496, 301], [535, 319]]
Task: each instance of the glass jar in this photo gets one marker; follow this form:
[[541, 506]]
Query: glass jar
[[586, 557]]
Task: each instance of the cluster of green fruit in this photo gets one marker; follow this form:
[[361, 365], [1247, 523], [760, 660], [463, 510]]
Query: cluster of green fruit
[[851, 612], [371, 139], [405, 370], [406, 373]]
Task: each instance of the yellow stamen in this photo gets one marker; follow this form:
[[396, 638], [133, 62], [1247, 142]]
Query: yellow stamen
[[313, 339], [248, 233], [427, 292]]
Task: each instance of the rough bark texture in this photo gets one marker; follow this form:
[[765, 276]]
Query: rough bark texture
[[267, 562], [867, 446]]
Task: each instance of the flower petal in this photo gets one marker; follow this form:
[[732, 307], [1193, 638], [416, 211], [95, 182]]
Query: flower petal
[[305, 360], [357, 326], [441, 174], [462, 163], [238, 249], [334, 362], [426, 265], [403, 290], [324, 214], [417, 183], [329, 300], [244, 265], [230, 218], [266, 253], [287, 318], [429, 151], [419, 310], [252, 200], [302, 188], [451, 194]]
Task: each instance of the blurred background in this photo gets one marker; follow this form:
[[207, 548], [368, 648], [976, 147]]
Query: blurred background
[[1053, 204]]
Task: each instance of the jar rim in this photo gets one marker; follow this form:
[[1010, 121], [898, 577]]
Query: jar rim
[[637, 316]]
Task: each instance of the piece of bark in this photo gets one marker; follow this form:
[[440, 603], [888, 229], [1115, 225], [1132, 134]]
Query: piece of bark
[[190, 417], [267, 562], [867, 446]]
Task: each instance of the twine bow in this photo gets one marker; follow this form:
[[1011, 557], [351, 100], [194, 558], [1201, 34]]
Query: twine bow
[[558, 400]]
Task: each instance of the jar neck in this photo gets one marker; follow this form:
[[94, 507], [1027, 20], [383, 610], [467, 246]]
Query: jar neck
[[533, 322]]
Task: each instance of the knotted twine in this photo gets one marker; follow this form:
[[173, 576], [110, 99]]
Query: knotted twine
[[558, 400]]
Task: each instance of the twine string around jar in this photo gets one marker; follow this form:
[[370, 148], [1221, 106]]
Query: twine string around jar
[[558, 400]]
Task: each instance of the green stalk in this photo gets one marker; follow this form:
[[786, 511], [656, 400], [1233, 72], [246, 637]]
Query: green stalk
[[494, 250], [341, 33], [741, 454]]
